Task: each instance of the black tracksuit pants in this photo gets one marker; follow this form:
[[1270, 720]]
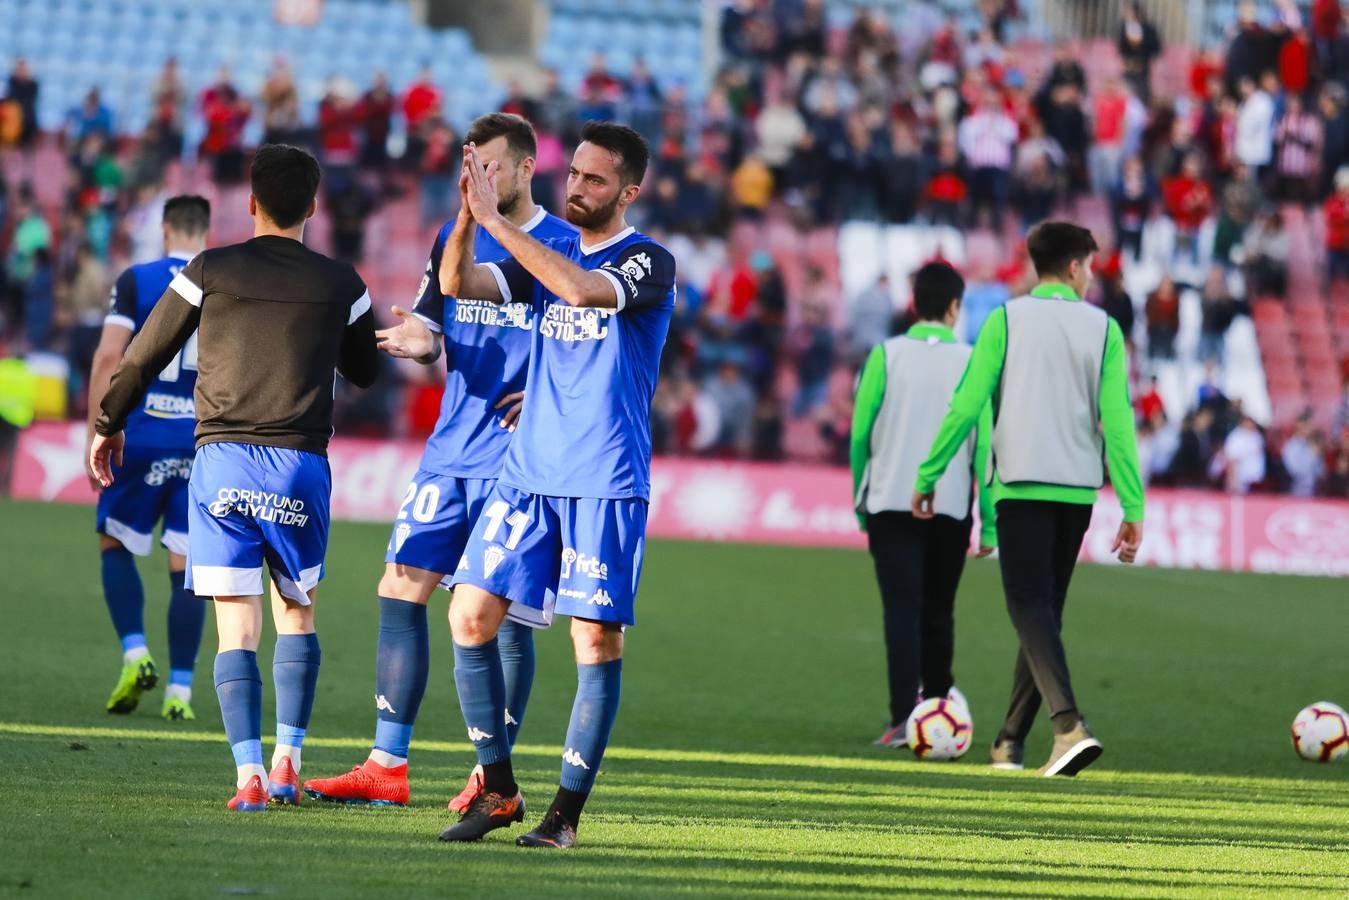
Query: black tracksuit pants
[[918, 566], [1038, 544]]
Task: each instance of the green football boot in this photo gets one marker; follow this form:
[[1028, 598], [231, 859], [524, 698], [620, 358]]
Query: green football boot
[[176, 709], [137, 678]]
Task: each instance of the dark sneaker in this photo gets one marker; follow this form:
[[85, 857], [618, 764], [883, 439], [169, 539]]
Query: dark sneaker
[[554, 832], [1072, 752], [487, 812], [1007, 754]]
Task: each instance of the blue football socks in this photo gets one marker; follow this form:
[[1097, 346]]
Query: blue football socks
[[125, 597], [598, 687], [238, 687], [187, 618], [516, 643], [482, 699], [401, 666], [295, 669]]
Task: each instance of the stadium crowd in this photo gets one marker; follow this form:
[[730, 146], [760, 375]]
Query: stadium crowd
[[805, 128]]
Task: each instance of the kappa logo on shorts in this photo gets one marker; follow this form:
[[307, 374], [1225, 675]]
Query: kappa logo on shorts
[[491, 558], [601, 598], [476, 734], [575, 595], [463, 563], [400, 535], [572, 758]]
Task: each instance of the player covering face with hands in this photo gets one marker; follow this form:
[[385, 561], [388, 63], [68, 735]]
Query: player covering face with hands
[[563, 530]]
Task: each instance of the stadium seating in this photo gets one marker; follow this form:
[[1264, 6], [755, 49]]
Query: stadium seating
[[670, 31], [121, 46]]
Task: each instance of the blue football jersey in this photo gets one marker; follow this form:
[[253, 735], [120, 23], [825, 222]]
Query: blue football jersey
[[486, 357], [168, 415], [585, 430]]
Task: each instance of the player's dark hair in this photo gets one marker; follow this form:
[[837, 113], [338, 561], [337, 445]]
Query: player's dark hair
[[1053, 245], [285, 180], [935, 285], [188, 214], [517, 131], [620, 140]]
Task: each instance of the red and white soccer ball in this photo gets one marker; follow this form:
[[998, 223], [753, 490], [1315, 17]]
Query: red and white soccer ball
[[1321, 732], [939, 729]]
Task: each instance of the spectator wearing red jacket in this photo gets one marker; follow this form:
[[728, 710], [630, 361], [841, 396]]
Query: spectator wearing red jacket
[[1337, 228], [1149, 404], [1109, 108], [1187, 197], [421, 105], [1325, 21], [375, 112], [1163, 314], [1295, 63], [226, 113]]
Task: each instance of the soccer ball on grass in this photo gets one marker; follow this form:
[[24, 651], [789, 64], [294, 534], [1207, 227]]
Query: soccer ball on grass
[[1321, 732], [939, 729]]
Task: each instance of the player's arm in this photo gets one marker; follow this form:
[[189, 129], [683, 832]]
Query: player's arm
[[417, 335], [1121, 442], [866, 406], [988, 521], [118, 327], [358, 357], [572, 284], [170, 324], [460, 276], [967, 404]]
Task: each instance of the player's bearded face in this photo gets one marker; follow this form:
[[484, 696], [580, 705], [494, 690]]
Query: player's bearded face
[[585, 213], [508, 190]]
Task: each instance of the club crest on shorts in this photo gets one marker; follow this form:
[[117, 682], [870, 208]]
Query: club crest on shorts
[[400, 535], [491, 558]]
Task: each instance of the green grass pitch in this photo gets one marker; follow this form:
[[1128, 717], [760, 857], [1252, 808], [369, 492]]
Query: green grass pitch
[[741, 764]]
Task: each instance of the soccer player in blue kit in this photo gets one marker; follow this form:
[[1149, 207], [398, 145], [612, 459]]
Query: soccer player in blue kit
[[151, 483], [487, 352], [563, 530]]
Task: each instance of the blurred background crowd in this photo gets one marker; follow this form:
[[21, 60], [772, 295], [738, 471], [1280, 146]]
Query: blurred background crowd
[[807, 155]]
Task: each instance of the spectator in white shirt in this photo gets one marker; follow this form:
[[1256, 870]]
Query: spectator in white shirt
[[1255, 126], [1241, 462], [1303, 458]]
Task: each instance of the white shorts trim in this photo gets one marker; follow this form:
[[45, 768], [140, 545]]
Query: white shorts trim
[[226, 581], [528, 615], [175, 541], [428, 322], [139, 543], [298, 590], [120, 321]]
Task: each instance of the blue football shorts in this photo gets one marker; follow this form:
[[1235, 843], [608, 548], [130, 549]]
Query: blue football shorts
[[434, 521], [579, 557], [249, 505], [149, 486]]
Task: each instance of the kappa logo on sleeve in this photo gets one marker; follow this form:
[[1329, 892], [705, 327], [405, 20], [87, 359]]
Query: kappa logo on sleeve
[[633, 270]]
